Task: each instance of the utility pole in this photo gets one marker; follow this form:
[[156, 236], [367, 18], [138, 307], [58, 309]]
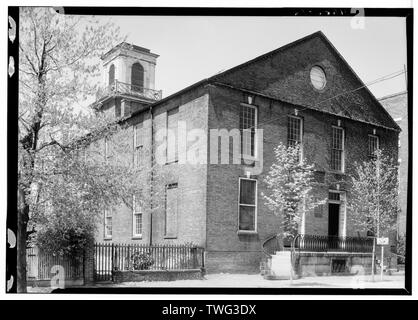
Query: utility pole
[[378, 218]]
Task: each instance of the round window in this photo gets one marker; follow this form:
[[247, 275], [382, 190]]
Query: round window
[[318, 78]]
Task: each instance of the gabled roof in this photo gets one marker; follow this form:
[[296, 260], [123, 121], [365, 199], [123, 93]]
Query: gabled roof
[[365, 107]]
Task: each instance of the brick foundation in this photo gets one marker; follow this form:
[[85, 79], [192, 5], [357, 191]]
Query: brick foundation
[[157, 275]]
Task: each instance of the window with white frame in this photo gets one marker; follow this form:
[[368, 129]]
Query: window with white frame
[[247, 219], [171, 207], [294, 131], [136, 217], [248, 126], [172, 138], [337, 149], [373, 145], [108, 223], [138, 144]]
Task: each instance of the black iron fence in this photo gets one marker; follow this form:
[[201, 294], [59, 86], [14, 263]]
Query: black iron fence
[[317, 243], [117, 256], [130, 89]]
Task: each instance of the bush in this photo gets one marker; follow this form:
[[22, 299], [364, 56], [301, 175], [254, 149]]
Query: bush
[[61, 240], [141, 261]]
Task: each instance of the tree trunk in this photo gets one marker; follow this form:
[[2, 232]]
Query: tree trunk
[[22, 222]]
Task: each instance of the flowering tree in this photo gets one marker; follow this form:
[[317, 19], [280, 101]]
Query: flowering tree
[[65, 178], [290, 181], [374, 194]]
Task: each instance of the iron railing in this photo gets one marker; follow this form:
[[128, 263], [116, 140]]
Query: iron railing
[[109, 257], [128, 89], [271, 245], [318, 243]]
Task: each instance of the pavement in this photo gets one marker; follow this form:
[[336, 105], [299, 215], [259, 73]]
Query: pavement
[[226, 280], [257, 281]]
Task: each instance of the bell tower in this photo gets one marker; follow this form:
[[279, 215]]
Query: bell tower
[[128, 80]]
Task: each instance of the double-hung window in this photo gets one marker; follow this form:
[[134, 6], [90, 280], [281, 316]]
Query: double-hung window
[[172, 138], [373, 145], [108, 223], [248, 126], [247, 218], [294, 133], [136, 218], [337, 149], [171, 207]]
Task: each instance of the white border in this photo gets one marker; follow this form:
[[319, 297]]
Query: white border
[[190, 3]]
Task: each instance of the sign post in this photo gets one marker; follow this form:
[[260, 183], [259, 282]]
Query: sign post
[[382, 242], [373, 257]]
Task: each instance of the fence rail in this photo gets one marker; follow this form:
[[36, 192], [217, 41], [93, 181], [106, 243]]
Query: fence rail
[[112, 256], [129, 89], [319, 243], [40, 265]]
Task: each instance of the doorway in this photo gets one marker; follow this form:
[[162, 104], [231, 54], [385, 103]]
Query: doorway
[[333, 219]]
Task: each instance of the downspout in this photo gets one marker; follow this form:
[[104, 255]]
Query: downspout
[[152, 176]]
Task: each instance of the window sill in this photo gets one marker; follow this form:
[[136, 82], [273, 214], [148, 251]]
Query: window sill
[[107, 238], [170, 237], [138, 237], [171, 162], [336, 172], [247, 232]]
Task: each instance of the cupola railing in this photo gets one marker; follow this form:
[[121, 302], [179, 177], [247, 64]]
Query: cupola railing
[[122, 88]]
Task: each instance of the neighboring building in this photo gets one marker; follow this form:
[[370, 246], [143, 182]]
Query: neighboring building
[[294, 95], [397, 106]]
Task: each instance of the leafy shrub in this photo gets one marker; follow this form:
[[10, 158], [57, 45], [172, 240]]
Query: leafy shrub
[[141, 261], [63, 240]]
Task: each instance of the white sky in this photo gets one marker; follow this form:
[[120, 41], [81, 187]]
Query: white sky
[[196, 47]]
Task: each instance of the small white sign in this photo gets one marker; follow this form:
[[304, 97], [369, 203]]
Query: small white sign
[[382, 241]]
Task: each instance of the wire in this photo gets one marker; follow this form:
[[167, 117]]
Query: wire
[[384, 78], [380, 79]]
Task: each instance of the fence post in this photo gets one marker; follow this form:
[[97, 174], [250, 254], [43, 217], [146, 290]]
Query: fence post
[[88, 263], [203, 261], [112, 255]]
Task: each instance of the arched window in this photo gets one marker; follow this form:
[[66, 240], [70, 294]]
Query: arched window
[[137, 77], [111, 75]]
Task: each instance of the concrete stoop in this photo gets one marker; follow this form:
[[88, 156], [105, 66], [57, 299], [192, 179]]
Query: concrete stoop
[[277, 267]]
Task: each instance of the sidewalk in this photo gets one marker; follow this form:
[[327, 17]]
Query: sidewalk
[[257, 281], [226, 280]]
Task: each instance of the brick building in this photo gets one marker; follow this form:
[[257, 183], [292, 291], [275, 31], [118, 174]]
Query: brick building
[[294, 94], [397, 106]]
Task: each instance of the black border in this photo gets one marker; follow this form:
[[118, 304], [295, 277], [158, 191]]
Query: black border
[[201, 11], [12, 135]]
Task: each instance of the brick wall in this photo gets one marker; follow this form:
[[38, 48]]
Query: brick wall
[[225, 246], [208, 194], [191, 179], [397, 106]]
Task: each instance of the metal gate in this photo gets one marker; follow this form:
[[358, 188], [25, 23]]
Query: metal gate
[[103, 261]]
